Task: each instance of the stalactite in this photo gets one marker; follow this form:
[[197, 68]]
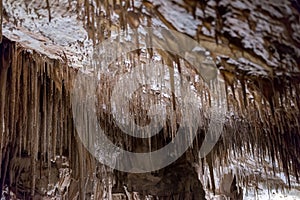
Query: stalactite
[[19, 109], [3, 81], [34, 123], [54, 122], [44, 115], [49, 10]]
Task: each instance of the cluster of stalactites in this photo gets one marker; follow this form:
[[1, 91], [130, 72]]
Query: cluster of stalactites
[[263, 123], [265, 111], [265, 120], [31, 126], [38, 140], [100, 18], [97, 17]]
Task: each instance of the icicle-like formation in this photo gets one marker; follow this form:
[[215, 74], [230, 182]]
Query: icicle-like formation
[[258, 58], [37, 134], [264, 124]]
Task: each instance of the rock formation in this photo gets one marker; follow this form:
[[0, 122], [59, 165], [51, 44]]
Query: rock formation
[[255, 45]]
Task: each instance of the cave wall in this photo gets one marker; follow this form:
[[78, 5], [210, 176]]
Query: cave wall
[[256, 46]]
